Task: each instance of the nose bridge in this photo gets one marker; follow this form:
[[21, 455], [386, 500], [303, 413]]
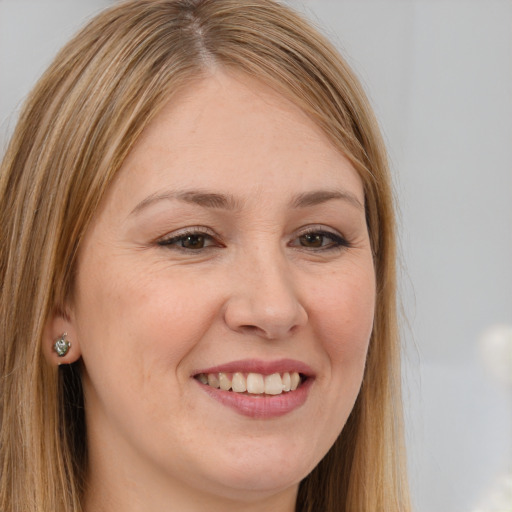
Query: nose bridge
[[265, 299]]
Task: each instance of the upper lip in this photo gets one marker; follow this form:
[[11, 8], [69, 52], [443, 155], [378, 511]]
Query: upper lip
[[260, 366]]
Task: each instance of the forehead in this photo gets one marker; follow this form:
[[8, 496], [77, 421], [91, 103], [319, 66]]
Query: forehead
[[233, 134]]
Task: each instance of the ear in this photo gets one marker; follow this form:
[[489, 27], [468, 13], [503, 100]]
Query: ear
[[60, 342]]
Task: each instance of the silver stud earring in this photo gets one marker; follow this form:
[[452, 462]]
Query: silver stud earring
[[62, 345]]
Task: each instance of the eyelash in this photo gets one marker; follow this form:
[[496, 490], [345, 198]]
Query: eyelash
[[338, 242], [172, 241]]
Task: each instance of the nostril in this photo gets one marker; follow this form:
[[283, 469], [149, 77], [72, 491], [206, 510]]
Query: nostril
[[257, 331], [249, 327], [266, 315]]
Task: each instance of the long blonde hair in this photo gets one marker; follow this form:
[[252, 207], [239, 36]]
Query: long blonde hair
[[77, 127]]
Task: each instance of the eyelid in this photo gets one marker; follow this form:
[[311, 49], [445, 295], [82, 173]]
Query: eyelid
[[339, 240], [169, 238]]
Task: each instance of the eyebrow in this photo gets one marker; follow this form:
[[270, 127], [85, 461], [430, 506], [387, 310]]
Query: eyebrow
[[322, 196], [228, 202], [199, 197]]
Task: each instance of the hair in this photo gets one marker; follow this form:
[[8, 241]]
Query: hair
[[77, 127]]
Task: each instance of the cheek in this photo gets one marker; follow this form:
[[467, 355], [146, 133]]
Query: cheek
[[146, 320], [344, 318], [135, 330]]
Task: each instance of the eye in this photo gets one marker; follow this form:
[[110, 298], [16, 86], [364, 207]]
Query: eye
[[319, 239], [189, 240]]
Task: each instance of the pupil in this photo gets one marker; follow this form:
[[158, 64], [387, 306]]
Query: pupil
[[193, 242], [312, 240]]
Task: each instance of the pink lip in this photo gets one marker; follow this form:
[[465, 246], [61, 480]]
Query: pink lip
[[258, 406], [260, 366]]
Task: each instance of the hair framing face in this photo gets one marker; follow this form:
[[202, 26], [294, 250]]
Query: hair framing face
[[77, 127]]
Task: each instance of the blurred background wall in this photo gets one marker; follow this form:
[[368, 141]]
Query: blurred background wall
[[439, 73]]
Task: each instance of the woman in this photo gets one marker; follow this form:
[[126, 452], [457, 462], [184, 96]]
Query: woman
[[198, 300]]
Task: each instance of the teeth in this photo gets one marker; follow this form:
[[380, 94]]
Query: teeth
[[295, 381], [254, 383], [239, 383], [224, 381], [213, 380], [273, 384], [286, 382]]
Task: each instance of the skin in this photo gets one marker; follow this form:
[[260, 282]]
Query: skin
[[146, 316]]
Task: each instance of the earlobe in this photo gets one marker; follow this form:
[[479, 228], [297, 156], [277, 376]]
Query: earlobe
[[60, 345]]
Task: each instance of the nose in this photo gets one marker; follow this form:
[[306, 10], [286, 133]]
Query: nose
[[264, 301]]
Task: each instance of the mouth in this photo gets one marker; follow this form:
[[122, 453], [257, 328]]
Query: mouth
[[258, 389], [257, 384]]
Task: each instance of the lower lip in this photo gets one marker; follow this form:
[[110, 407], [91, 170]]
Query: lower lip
[[257, 406]]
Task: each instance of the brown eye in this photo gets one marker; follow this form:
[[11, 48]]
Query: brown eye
[[193, 242], [190, 241], [313, 240], [320, 240]]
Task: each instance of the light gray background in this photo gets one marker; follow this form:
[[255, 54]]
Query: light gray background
[[439, 74]]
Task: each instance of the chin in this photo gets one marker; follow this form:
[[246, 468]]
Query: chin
[[264, 467]]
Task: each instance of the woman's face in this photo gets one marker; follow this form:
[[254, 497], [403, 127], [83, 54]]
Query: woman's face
[[232, 246]]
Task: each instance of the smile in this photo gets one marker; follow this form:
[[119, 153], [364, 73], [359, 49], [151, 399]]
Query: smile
[[258, 389], [252, 383]]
